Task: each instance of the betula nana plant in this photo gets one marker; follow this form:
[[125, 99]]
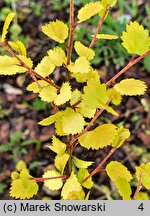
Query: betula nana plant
[[77, 110]]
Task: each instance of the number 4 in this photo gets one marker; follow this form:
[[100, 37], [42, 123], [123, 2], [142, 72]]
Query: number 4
[[141, 207]]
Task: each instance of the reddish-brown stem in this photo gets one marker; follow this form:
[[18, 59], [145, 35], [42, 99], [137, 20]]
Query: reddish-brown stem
[[30, 70], [127, 67], [101, 20], [72, 28], [139, 186], [99, 167], [69, 53], [97, 114], [76, 104], [56, 109], [50, 178]]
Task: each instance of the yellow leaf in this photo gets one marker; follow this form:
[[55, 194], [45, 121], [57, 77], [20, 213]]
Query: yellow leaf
[[82, 174], [57, 119], [114, 96], [66, 122], [23, 187], [121, 176], [53, 184], [35, 88], [95, 92], [109, 109], [48, 121], [8, 20], [45, 67], [59, 124], [87, 196], [105, 4], [103, 11], [106, 36], [140, 170], [72, 122], [85, 110], [84, 77], [131, 87], [81, 65], [82, 50], [57, 56], [116, 170], [20, 165], [112, 3], [142, 196], [124, 188], [100, 137], [89, 10], [76, 196], [57, 30], [121, 136], [61, 161], [75, 96], [57, 146], [81, 163], [65, 94], [71, 185], [15, 175], [26, 60], [48, 93], [10, 66], [144, 171], [18, 46], [136, 39]]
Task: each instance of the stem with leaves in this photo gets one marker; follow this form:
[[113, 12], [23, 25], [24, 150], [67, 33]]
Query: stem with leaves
[[71, 34], [99, 112], [31, 72], [112, 80], [101, 20], [109, 83]]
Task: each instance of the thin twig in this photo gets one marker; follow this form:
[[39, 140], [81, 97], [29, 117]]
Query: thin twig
[[99, 167], [49, 178], [69, 53], [139, 186], [72, 28], [76, 104], [127, 67], [101, 20], [97, 114]]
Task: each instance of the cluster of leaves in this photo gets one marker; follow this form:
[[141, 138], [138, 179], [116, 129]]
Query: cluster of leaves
[[75, 108]]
